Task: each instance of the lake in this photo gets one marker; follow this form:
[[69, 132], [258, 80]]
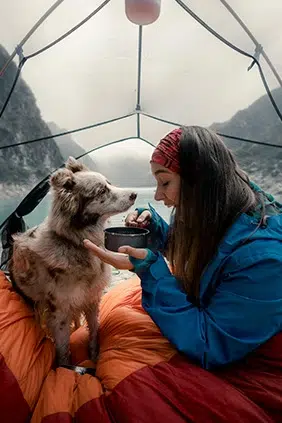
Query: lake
[[145, 196]]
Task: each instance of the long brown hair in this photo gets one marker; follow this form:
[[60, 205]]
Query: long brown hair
[[214, 191]]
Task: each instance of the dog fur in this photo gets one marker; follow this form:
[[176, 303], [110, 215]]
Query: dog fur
[[50, 265]]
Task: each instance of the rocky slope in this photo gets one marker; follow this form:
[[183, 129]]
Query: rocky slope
[[22, 167], [259, 122], [69, 147]]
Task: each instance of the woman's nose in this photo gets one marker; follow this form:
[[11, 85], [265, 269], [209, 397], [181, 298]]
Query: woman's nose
[[158, 195]]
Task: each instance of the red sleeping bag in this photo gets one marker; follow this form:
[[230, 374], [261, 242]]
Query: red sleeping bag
[[139, 376]]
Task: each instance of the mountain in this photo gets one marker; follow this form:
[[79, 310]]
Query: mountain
[[119, 163], [126, 164], [68, 147], [24, 166], [259, 122]]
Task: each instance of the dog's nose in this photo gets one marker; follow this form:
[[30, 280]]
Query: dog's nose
[[133, 196]]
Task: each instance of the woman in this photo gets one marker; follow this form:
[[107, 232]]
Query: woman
[[221, 297]]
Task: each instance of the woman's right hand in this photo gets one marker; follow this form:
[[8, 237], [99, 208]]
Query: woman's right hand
[[138, 220]]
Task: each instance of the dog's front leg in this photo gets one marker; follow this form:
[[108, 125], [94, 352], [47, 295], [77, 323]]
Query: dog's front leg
[[92, 320], [59, 325]]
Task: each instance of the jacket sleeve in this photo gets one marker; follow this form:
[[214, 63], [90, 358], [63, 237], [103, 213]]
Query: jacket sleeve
[[244, 312], [158, 228]]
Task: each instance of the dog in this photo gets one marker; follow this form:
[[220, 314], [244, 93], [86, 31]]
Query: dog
[[49, 264]]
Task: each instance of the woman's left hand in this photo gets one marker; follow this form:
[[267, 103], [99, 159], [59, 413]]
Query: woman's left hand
[[118, 260]]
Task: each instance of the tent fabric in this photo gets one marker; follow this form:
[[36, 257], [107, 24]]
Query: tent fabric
[[122, 83], [188, 76], [140, 377]]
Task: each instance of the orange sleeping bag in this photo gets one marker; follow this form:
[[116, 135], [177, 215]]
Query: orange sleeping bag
[[140, 377]]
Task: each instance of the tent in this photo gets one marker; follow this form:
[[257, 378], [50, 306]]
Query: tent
[[88, 72]]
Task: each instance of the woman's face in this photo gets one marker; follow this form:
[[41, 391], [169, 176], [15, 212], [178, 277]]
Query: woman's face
[[168, 185]]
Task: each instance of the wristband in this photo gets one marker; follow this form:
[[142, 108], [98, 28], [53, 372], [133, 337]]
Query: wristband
[[143, 264]]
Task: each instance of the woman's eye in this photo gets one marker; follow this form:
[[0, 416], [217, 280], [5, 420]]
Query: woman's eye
[[165, 184]]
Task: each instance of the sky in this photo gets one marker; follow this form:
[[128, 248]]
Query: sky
[[187, 75]]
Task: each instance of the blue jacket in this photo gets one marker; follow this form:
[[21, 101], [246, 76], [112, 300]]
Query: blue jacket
[[245, 309]]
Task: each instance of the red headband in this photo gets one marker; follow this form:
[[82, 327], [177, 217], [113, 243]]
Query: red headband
[[167, 151]]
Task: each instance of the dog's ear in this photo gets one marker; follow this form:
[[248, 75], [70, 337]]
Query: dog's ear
[[74, 165], [63, 178]]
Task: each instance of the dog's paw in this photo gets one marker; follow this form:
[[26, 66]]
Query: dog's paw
[[63, 358], [94, 351], [63, 361]]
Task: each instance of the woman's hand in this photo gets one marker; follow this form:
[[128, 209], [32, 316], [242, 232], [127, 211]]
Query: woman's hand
[[135, 220], [118, 260]]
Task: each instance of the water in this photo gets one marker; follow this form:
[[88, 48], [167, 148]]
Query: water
[[7, 206], [145, 196]]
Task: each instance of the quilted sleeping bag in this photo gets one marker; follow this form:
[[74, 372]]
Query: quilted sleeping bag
[[140, 377]]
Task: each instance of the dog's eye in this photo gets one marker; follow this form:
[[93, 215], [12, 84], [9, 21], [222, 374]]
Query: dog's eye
[[102, 191]]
